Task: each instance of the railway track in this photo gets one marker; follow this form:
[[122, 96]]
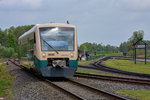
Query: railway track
[[114, 70], [72, 95], [95, 91], [98, 65], [112, 78]]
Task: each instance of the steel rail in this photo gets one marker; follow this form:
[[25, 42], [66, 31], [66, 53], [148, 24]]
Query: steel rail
[[111, 95], [88, 67], [98, 65], [115, 70], [112, 78]]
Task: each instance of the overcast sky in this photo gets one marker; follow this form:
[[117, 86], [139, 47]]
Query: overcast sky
[[99, 21]]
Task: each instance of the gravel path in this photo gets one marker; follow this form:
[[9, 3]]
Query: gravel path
[[29, 88]]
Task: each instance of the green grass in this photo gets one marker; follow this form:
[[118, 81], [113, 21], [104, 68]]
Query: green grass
[[92, 54], [129, 65], [1, 59], [27, 66], [6, 80], [113, 54], [79, 70], [141, 94], [87, 62], [91, 61]]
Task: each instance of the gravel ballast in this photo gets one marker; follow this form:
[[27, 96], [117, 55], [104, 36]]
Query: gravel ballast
[[110, 86], [27, 87], [85, 93], [30, 88]]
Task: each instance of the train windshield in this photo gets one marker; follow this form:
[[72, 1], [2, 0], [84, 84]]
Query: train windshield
[[57, 38]]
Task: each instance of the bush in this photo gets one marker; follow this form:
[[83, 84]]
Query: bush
[[130, 53], [139, 53], [15, 55], [6, 52]]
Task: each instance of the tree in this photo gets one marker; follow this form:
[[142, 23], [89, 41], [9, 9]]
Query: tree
[[11, 29], [83, 47], [2, 38], [9, 38], [123, 47], [21, 29], [128, 46], [11, 41], [134, 38], [99, 48]]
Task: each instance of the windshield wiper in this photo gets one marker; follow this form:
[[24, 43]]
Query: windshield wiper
[[50, 46]]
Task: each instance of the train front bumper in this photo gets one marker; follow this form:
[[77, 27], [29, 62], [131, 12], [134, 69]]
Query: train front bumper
[[57, 72]]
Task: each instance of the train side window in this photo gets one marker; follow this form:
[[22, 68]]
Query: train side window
[[34, 38]]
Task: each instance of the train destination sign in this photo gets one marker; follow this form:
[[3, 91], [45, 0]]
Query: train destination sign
[[140, 46]]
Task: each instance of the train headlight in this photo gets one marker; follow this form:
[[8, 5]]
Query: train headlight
[[43, 55], [71, 55]]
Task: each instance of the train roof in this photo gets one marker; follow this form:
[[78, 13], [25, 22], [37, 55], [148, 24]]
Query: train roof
[[44, 25]]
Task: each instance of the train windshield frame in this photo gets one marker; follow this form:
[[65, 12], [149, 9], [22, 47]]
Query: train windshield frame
[[57, 38]]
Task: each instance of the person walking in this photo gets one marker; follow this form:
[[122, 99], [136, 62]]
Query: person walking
[[87, 56], [80, 56]]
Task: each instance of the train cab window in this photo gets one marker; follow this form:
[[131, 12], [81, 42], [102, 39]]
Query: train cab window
[[59, 38], [34, 38]]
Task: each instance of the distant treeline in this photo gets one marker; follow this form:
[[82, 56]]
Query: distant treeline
[[98, 48], [126, 47], [9, 40], [9, 43]]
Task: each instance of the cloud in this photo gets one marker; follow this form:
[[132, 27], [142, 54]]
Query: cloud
[[95, 19], [133, 4], [20, 3]]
